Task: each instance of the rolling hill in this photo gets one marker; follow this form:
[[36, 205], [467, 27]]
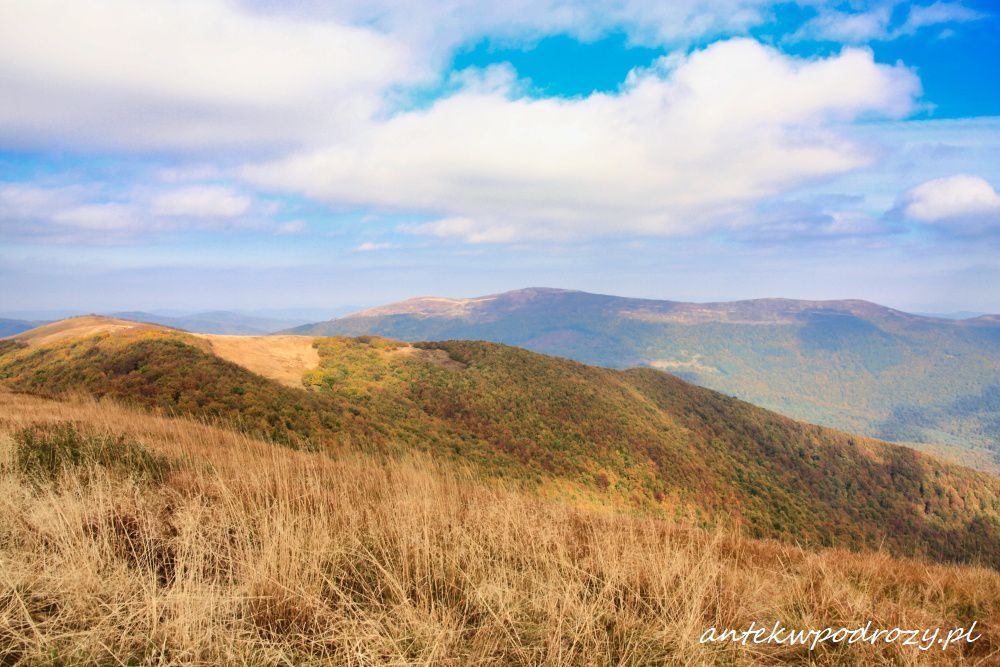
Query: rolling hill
[[638, 440], [852, 365]]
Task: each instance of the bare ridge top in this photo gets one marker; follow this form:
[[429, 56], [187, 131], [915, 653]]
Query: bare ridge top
[[79, 327]]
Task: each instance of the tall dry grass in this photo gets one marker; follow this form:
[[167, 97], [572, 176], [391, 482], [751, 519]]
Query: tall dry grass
[[249, 553]]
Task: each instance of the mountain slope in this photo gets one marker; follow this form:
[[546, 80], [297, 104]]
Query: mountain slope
[[639, 439], [214, 548], [849, 364]]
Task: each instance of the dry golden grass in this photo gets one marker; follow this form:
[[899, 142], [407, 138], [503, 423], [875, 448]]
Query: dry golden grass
[[79, 327], [281, 358], [253, 554]]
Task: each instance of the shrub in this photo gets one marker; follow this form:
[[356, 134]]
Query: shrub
[[44, 451]]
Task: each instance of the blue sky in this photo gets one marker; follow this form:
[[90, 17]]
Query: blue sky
[[258, 155]]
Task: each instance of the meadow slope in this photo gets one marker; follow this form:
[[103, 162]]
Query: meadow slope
[[127, 538]]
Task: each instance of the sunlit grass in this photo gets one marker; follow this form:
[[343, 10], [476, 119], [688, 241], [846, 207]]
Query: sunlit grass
[[250, 553]]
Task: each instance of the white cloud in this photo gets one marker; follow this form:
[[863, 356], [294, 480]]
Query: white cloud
[[684, 146], [291, 227], [846, 27], [819, 219], [204, 75], [937, 14], [369, 246], [97, 217], [876, 23], [200, 202], [24, 201], [62, 214], [963, 202], [86, 213], [184, 74], [434, 27]]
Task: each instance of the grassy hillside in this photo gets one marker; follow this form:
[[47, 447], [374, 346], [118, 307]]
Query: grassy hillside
[[852, 365], [203, 546], [641, 439]]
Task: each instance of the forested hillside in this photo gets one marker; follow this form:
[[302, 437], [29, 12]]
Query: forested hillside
[[852, 365]]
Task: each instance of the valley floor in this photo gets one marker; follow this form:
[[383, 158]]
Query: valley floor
[[127, 538]]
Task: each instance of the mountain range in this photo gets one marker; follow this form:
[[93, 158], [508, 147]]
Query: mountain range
[[849, 364], [638, 440], [211, 322], [214, 322], [9, 327]]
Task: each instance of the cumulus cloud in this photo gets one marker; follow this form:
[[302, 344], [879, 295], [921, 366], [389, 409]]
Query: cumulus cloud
[[201, 75], [964, 202], [685, 145], [691, 143], [204, 75], [184, 74]]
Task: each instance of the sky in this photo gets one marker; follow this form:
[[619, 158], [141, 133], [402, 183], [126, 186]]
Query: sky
[[324, 155]]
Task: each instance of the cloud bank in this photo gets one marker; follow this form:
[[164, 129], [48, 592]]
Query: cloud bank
[[85, 213], [184, 75], [687, 145], [314, 98]]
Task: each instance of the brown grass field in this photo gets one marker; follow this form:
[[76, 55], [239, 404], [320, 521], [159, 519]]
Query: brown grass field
[[245, 552], [280, 358]]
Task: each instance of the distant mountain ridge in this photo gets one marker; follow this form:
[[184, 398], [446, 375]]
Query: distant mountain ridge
[[851, 364], [10, 327], [767, 310], [213, 322]]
